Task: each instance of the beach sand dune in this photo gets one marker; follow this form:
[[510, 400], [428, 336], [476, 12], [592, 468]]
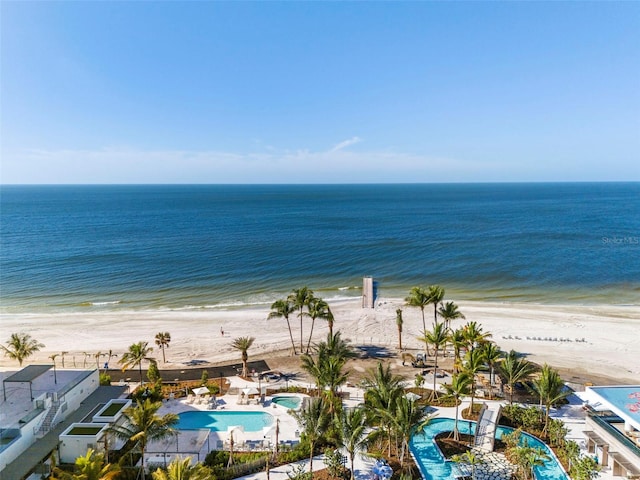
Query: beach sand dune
[[611, 346]]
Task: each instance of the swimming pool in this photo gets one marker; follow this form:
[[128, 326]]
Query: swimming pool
[[623, 400], [433, 465], [221, 421], [287, 401]]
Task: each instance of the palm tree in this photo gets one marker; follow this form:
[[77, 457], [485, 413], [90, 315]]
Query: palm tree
[[110, 355], [330, 320], [352, 428], [407, 419], [53, 359], [474, 361], [97, 356], [436, 294], [21, 346], [474, 335], [62, 354], [282, 309], [419, 297], [314, 422], [318, 308], [458, 341], [84, 362], [162, 340], [300, 298], [243, 344], [514, 370], [137, 353], [492, 355], [326, 367], [471, 459], [449, 311], [89, 467], [551, 390], [382, 390], [181, 469], [459, 387], [144, 425], [438, 337], [527, 458], [399, 325], [337, 347]]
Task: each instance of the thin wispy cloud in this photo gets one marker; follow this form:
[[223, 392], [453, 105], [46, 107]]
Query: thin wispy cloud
[[345, 144], [128, 165]]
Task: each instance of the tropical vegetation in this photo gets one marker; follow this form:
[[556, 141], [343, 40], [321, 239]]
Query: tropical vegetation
[[163, 339], [243, 344], [137, 353], [21, 346], [391, 413], [144, 425]]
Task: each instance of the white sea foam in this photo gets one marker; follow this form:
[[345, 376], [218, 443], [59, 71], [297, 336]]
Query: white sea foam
[[102, 304]]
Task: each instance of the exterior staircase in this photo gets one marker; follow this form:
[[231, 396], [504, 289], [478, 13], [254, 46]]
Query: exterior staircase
[[49, 418], [486, 427]]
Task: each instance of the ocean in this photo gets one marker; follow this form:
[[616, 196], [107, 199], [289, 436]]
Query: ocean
[[176, 247]]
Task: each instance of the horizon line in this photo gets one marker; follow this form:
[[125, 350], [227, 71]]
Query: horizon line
[[203, 184]]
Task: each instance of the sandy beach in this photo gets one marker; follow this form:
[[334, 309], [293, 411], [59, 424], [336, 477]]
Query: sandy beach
[[610, 347]]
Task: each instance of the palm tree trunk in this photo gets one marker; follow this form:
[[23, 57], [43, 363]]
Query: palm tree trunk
[[435, 371], [164, 360], [142, 447], [456, 433], [140, 368], [313, 321], [399, 337], [291, 335], [301, 341], [353, 471]]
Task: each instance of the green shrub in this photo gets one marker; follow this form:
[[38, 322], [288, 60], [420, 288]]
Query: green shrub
[[205, 377], [216, 457], [298, 472], [153, 374], [105, 379], [335, 463], [153, 392]]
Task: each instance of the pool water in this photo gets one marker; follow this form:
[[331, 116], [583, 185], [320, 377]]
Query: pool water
[[221, 421], [287, 401], [624, 400], [433, 465]]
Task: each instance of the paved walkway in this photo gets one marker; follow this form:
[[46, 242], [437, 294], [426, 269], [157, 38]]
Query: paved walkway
[[362, 469]]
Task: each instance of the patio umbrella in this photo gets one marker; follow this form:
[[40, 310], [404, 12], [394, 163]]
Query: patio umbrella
[[250, 391], [412, 397], [201, 390]]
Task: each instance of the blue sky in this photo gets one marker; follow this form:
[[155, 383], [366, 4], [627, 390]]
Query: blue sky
[[297, 92]]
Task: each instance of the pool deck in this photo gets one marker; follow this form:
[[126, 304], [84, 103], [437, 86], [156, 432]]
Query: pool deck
[[243, 440], [573, 415]]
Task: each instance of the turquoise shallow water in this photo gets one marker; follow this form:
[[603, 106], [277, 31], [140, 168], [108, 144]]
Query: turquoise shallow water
[[287, 401], [97, 248], [434, 467], [221, 421]]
